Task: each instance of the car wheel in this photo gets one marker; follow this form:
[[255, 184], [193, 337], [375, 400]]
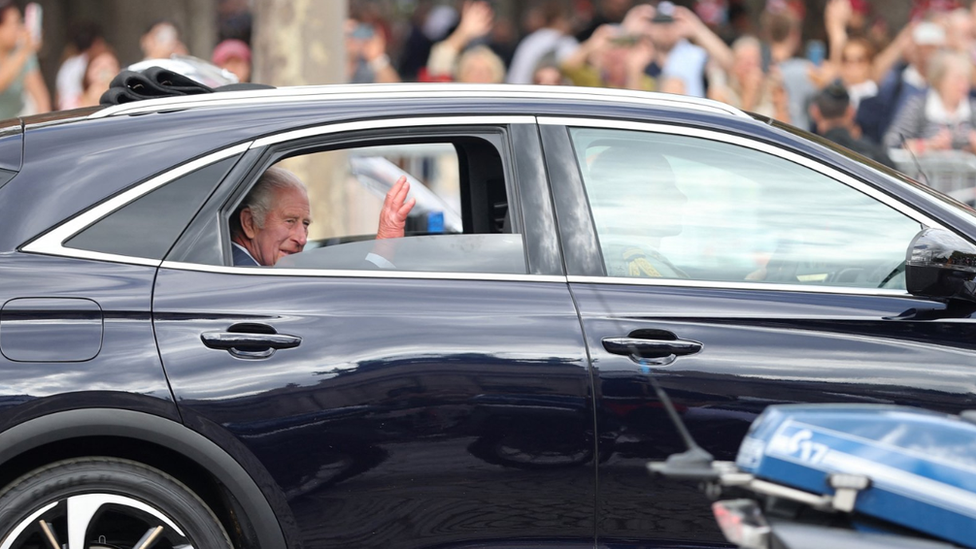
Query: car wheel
[[104, 503]]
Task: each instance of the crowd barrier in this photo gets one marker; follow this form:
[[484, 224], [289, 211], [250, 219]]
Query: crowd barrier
[[951, 172]]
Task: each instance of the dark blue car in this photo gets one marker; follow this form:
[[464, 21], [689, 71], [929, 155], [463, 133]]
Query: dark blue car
[[488, 385]]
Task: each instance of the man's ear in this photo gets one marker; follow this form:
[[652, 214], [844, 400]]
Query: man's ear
[[815, 113], [248, 224]]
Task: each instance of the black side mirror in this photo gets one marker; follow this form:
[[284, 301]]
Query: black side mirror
[[941, 265]]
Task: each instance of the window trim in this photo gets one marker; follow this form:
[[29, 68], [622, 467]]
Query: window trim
[[732, 139], [271, 149], [349, 273], [685, 131], [52, 242]]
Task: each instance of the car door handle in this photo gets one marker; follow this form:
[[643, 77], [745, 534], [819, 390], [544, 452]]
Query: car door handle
[[652, 351], [250, 340]]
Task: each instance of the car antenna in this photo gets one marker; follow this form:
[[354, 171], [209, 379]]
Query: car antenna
[[918, 165], [695, 462]]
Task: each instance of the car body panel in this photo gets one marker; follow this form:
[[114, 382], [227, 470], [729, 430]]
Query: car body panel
[[434, 409]]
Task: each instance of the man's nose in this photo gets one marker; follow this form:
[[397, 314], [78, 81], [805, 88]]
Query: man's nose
[[300, 235]]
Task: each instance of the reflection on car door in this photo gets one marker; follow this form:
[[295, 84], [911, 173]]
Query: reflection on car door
[[397, 409], [724, 350]]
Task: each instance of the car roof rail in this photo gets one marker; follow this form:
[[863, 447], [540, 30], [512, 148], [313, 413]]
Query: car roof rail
[[338, 92]]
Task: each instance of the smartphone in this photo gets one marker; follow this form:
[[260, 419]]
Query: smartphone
[[34, 19], [363, 32], [816, 52], [625, 41]]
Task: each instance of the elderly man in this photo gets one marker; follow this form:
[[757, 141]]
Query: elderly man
[[273, 219]]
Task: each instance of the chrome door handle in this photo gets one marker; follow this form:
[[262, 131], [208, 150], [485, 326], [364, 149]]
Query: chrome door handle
[[250, 340], [660, 352]]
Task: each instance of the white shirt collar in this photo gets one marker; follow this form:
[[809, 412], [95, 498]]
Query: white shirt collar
[[243, 249], [935, 110]]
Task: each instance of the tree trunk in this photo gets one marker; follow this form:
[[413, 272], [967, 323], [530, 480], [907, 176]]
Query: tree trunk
[[299, 42], [296, 43]]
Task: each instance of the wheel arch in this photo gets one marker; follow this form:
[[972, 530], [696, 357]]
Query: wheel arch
[[60, 429]]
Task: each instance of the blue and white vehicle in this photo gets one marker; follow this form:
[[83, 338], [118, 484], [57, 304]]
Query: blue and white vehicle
[[848, 476]]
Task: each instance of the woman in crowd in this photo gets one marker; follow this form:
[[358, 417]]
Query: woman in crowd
[[747, 86], [856, 61], [98, 76], [19, 74], [941, 118]]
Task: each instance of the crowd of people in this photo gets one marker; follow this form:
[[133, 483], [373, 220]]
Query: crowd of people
[[912, 90], [89, 63]]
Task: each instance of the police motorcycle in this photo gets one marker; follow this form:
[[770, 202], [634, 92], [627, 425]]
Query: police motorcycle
[[846, 476]]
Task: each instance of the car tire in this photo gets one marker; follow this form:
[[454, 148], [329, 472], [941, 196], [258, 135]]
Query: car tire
[[107, 502]]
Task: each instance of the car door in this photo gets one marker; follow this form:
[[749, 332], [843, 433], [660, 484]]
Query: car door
[[739, 275], [442, 399]]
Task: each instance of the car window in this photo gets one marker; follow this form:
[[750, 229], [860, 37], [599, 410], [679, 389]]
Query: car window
[[671, 206], [461, 221], [148, 226]]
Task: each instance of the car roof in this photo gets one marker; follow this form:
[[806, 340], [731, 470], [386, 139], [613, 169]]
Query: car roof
[[407, 91]]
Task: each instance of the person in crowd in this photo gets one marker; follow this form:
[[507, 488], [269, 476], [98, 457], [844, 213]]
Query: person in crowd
[[273, 219], [906, 62], [477, 19], [833, 114], [86, 42], [851, 59], [553, 38], [98, 77], [611, 58], [480, 65], [784, 36], [366, 58], [547, 72], [672, 30], [19, 73], [234, 56], [610, 12], [429, 24], [959, 31], [234, 20], [856, 59], [162, 41], [746, 86], [942, 118]]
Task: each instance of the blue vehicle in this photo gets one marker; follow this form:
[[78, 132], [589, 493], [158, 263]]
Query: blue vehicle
[[849, 476]]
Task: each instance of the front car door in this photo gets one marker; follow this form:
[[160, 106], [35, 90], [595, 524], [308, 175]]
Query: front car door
[[739, 275], [444, 399]]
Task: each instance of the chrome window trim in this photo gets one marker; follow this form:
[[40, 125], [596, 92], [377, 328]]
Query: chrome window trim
[[388, 124], [724, 285], [348, 273], [714, 135], [417, 91], [52, 243]]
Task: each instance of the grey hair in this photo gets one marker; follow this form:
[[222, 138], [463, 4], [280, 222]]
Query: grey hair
[[260, 199], [495, 63], [746, 41], [943, 62]]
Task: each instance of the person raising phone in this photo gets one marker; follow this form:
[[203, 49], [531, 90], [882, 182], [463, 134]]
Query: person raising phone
[[19, 71]]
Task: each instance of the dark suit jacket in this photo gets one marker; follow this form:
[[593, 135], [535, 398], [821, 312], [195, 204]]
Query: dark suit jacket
[[241, 257]]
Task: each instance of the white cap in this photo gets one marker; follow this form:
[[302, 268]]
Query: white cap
[[929, 34]]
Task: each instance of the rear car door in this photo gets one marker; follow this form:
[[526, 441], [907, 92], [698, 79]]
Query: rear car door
[[739, 275], [440, 400]]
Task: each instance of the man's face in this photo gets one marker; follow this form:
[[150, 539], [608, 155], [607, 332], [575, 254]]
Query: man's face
[[665, 35], [285, 229]]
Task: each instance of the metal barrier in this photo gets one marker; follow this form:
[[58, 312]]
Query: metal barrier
[[951, 172]]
